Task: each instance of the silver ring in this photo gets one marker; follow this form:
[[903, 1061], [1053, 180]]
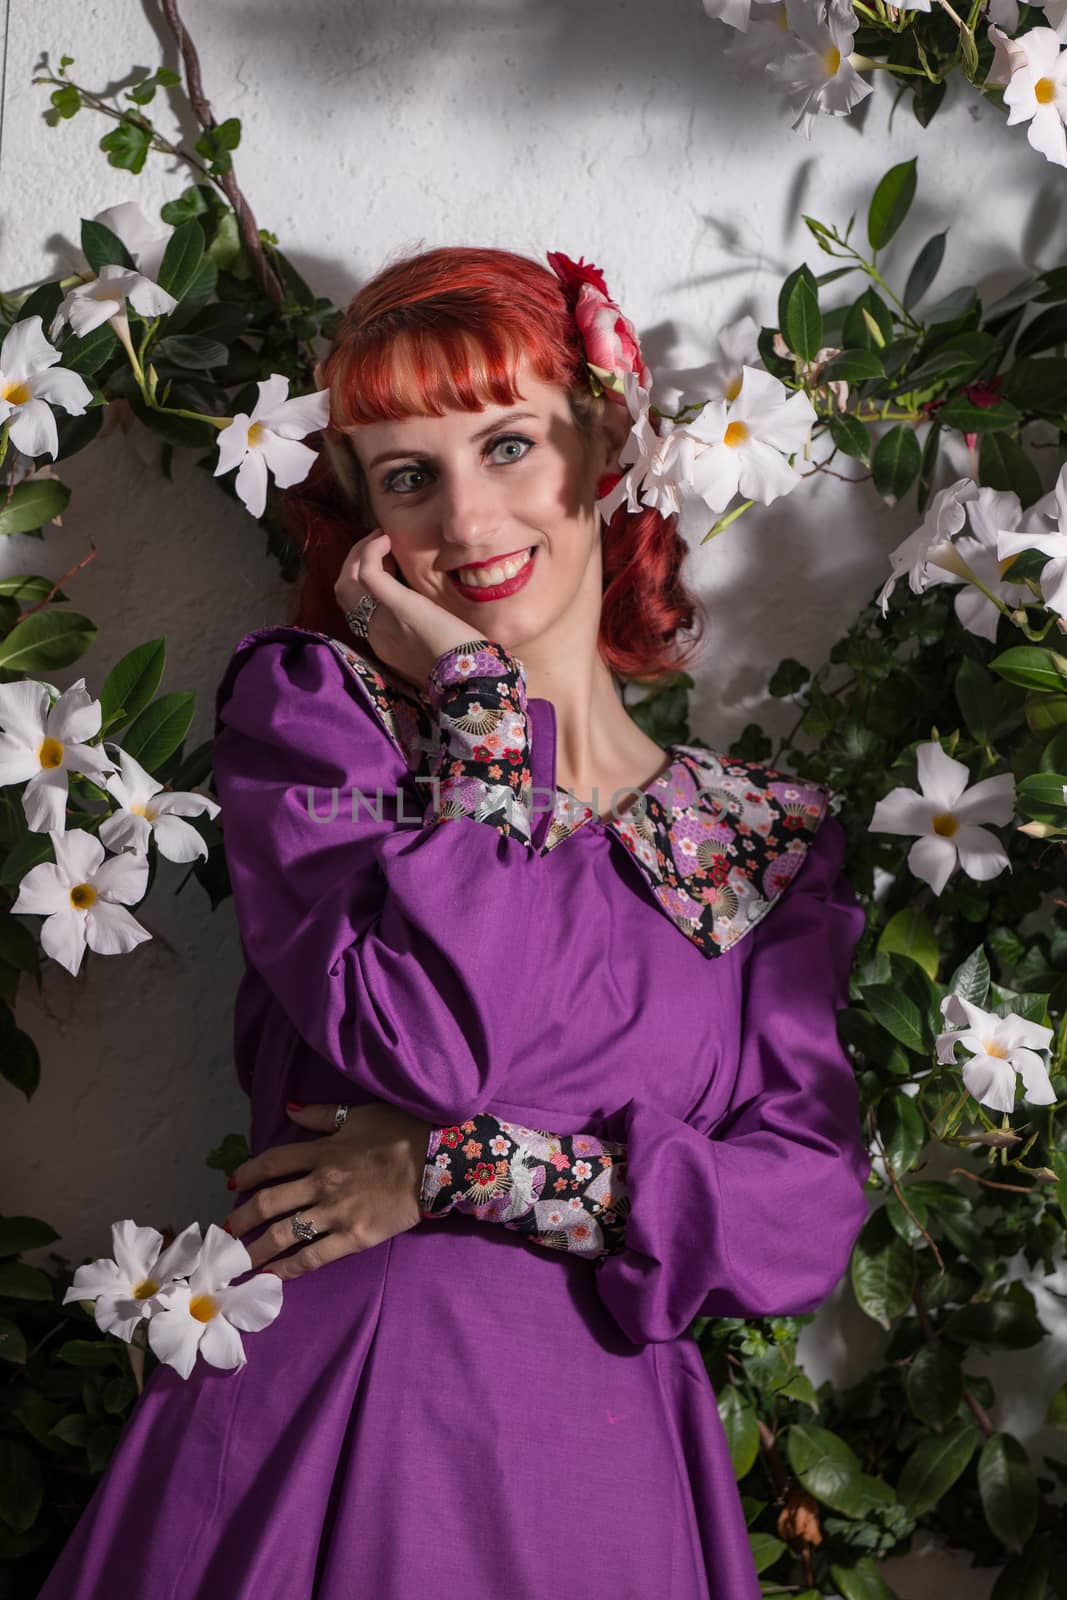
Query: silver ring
[[359, 618], [304, 1231], [340, 1116]]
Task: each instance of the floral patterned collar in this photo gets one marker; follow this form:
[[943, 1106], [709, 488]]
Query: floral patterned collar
[[717, 840]]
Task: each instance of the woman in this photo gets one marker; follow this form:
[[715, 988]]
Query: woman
[[607, 1027]]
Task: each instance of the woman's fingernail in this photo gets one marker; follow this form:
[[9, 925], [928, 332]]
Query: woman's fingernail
[[294, 1105], [226, 1225], [231, 1183]]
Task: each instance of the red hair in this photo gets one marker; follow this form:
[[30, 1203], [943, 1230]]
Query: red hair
[[446, 329]]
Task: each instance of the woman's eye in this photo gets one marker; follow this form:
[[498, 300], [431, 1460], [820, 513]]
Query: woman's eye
[[394, 480]]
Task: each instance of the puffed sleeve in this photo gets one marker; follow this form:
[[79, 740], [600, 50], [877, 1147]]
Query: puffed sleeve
[[380, 919], [757, 1214]]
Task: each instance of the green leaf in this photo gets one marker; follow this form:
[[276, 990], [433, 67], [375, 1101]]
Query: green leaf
[[1032, 667], [925, 270], [21, 1486], [46, 640], [934, 1466], [31, 504], [1008, 1490], [863, 1581], [903, 1131], [895, 462], [1040, 797], [1047, 330], [90, 1353], [21, 1282], [742, 1430], [890, 203], [824, 1464], [1056, 1414], [159, 729], [18, 948], [181, 259], [131, 683], [1038, 385], [854, 366], [910, 933], [19, 1234], [934, 1385], [13, 1345], [928, 467], [765, 1549], [971, 978], [963, 414], [996, 1325], [959, 357], [92, 351], [188, 350], [1026, 1575], [850, 436], [898, 1015], [1004, 464], [102, 247], [799, 315], [856, 332], [882, 1271], [127, 146]]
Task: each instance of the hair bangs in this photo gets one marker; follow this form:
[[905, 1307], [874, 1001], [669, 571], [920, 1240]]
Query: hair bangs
[[427, 369]]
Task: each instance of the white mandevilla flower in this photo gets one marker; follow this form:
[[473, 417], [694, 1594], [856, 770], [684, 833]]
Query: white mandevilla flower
[[656, 463], [267, 439], [947, 817], [31, 384], [140, 814], [742, 447], [83, 899], [206, 1313], [815, 68], [103, 298], [45, 743], [977, 551], [125, 1288], [1002, 1048], [1012, 541], [738, 348], [927, 555], [738, 13], [1036, 92]]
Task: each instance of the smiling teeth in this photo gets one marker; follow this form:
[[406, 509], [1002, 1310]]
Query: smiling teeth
[[486, 577]]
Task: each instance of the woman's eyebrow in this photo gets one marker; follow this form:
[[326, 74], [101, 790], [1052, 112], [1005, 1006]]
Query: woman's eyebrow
[[511, 416]]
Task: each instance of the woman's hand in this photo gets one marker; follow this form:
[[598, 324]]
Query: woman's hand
[[359, 1186], [408, 631]]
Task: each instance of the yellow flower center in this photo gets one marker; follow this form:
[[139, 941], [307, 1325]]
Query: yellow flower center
[[203, 1307], [831, 61], [945, 824], [733, 388], [992, 1048], [50, 753], [145, 1290], [16, 393], [736, 433], [143, 811], [255, 434], [1044, 91], [82, 896]]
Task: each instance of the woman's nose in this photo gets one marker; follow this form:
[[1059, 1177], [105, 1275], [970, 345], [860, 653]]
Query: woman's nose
[[471, 512]]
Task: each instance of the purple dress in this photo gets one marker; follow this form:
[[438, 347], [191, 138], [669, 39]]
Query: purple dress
[[460, 1408]]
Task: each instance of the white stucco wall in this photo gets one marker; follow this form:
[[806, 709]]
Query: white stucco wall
[[618, 130]]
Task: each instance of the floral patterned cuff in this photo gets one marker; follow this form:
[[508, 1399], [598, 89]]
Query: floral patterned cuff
[[566, 1191], [482, 769]]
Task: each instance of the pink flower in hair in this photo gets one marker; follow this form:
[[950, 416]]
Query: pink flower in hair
[[610, 339]]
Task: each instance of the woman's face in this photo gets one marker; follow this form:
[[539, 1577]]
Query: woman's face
[[509, 489]]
